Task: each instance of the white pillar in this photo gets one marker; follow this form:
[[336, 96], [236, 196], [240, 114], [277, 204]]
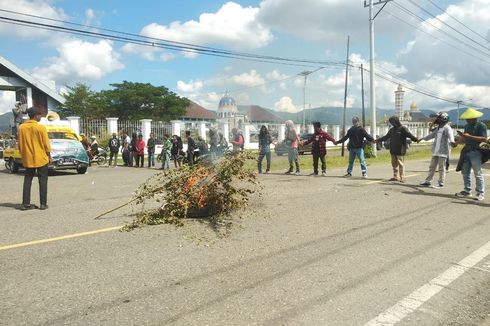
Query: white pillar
[[311, 129], [378, 131], [29, 97], [146, 129], [298, 129], [282, 133], [112, 125], [336, 132], [202, 129], [74, 124], [176, 127], [246, 136], [226, 131], [368, 130]]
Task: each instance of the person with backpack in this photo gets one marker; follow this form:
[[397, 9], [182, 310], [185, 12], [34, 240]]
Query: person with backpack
[[398, 135], [150, 145], [356, 135], [265, 141], [238, 141], [319, 148], [114, 145], [443, 139]]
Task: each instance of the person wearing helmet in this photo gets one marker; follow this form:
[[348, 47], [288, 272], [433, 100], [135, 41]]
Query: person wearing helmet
[[443, 138], [475, 132]]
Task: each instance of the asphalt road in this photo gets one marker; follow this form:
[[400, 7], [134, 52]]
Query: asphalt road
[[311, 251]]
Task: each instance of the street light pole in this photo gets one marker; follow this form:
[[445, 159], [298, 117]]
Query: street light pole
[[371, 61]]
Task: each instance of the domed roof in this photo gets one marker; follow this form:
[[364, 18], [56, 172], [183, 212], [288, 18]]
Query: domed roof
[[413, 106], [226, 101]]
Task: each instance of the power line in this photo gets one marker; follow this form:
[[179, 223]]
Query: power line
[[437, 38], [449, 15], [151, 41], [438, 29], [446, 24], [187, 47]]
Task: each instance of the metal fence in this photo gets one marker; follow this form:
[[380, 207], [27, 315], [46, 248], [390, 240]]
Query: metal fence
[[129, 126], [160, 128], [93, 127]]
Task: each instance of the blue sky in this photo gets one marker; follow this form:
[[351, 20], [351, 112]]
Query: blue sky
[[415, 51]]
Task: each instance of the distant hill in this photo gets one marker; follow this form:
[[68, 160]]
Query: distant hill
[[5, 121]]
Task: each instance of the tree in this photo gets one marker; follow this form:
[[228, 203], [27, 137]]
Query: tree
[[79, 101], [128, 100]]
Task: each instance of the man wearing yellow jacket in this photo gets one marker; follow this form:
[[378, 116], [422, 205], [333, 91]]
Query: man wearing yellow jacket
[[35, 149]]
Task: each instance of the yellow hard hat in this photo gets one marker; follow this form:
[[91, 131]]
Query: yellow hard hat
[[470, 113]]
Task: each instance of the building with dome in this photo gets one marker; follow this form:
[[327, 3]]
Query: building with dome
[[228, 113], [412, 118]]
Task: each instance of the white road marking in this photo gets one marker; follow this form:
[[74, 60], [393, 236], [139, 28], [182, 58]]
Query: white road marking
[[417, 298]]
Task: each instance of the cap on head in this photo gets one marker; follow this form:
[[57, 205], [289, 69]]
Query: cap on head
[[470, 113]]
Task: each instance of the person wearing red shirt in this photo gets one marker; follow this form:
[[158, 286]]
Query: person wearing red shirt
[[140, 151], [319, 147]]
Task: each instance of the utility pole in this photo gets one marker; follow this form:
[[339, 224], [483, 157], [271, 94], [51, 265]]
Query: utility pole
[[305, 75], [362, 97], [457, 124], [371, 60], [345, 91]]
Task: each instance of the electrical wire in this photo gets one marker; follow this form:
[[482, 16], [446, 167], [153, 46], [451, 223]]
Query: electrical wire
[[437, 38], [408, 11], [446, 24], [454, 18]]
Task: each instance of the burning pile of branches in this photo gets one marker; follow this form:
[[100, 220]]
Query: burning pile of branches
[[202, 190]]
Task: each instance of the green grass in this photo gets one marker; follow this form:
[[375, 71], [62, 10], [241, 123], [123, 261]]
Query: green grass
[[334, 160]]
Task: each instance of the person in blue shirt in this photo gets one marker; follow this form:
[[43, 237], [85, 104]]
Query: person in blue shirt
[[475, 132]]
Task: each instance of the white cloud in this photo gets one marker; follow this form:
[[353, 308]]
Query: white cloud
[[285, 104], [38, 8], [7, 101], [425, 55], [276, 75], [81, 60], [191, 87], [232, 26], [248, 79], [324, 20]]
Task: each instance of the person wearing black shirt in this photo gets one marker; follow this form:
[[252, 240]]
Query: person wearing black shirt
[[356, 136], [191, 146]]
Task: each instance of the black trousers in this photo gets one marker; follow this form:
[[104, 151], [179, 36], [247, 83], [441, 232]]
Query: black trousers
[[139, 159], [42, 176], [317, 156], [190, 158]]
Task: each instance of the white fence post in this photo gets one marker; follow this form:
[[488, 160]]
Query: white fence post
[[368, 130], [282, 133], [246, 136], [336, 132], [176, 127], [226, 131], [112, 125], [298, 129], [74, 124], [311, 129], [146, 129], [202, 129]]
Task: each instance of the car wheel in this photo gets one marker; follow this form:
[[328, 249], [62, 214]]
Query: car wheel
[[101, 160], [82, 170], [12, 166]]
